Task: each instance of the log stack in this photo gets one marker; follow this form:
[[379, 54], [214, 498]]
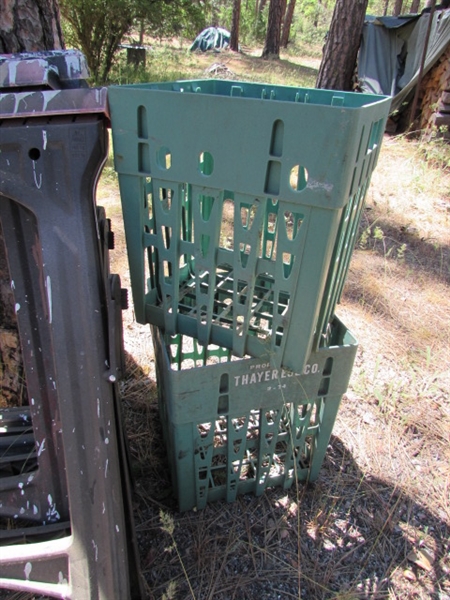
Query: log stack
[[12, 384], [435, 98]]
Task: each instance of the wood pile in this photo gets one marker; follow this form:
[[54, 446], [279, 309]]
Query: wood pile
[[12, 385], [435, 97]]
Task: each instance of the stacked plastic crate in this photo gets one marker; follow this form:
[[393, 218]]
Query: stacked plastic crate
[[241, 204]]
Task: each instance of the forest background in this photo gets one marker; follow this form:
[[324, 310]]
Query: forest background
[[99, 28]]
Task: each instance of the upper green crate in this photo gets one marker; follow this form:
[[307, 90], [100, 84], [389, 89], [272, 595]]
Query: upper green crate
[[241, 203]]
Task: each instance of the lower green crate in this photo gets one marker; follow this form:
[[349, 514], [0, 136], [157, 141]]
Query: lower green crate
[[235, 426]]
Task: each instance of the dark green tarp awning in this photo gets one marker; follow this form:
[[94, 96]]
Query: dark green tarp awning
[[391, 52]]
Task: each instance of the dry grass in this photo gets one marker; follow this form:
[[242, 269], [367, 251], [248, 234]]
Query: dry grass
[[168, 61], [376, 523]]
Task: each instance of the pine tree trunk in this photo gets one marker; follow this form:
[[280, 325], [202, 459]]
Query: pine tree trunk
[[287, 23], [29, 26], [234, 38], [398, 6], [25, 26], [415, 5], [341, 48], [273, 35]]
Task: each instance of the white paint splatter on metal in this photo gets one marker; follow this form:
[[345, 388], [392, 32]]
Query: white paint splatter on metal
[[94, 545], [48, 285], [12, 68], [37, 183], [52, 514], [41, 447], [61, 579], [47, 97]]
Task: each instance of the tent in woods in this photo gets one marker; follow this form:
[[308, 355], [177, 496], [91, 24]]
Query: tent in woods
[[392, 50], [211, 38]]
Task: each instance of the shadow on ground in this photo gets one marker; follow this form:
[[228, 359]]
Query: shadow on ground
[[348, 535], [400, 241]]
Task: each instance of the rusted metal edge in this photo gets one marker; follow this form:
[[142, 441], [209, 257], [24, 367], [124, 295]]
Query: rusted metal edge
[[53, 102]]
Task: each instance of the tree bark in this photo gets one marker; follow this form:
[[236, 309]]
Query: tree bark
[[341, 48], [386, 6], [398, 6], [234, 38], [25, 26], [273, 35], [288, 17], [415, 5], [29, 26]]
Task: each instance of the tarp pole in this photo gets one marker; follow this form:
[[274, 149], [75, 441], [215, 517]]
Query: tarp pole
[[422, 65]]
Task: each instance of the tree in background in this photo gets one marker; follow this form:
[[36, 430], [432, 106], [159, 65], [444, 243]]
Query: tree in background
[[342, 44], [173, 17], [272, 44], [398, 6], [234, 38], [98, 27], [287, 22]]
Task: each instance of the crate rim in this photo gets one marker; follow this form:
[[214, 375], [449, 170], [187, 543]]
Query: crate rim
[[372, 99], [348, 341]]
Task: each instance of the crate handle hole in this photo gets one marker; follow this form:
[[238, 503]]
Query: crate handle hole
[[298, 178], [206, 163], [164, 158]]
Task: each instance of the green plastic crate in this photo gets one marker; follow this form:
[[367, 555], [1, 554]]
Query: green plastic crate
[[239, 426], [241, 202]]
